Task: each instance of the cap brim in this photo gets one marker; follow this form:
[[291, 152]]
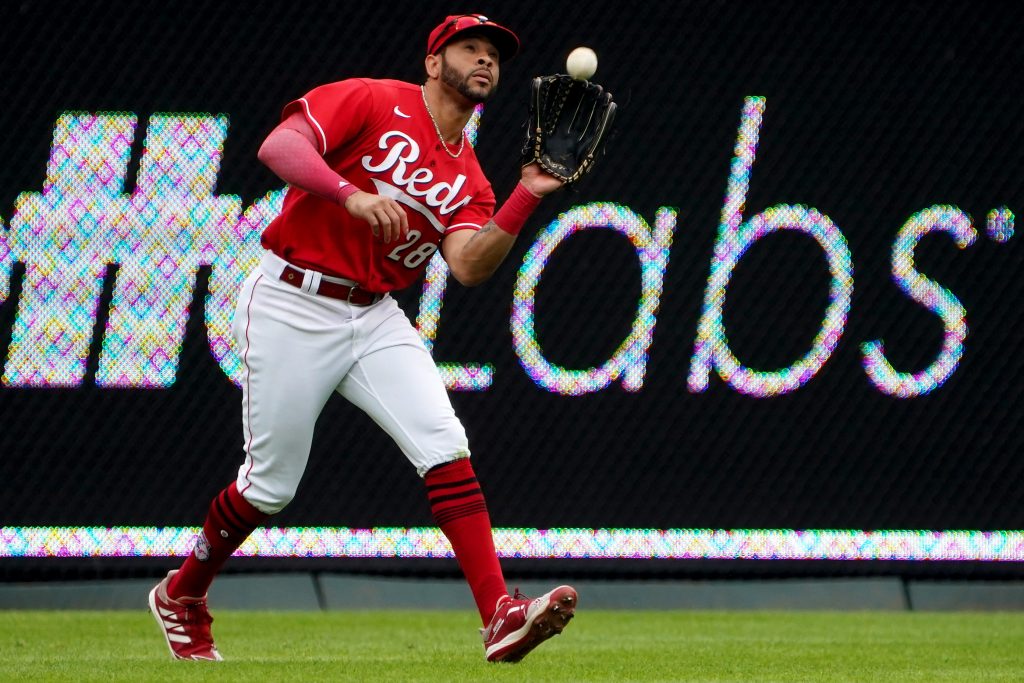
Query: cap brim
[[502, 38]]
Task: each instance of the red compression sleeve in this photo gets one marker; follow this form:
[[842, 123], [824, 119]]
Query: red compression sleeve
[[289, 154], [517, 208]]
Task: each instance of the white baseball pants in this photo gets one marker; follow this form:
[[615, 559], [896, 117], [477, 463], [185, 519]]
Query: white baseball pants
[[298, 348]]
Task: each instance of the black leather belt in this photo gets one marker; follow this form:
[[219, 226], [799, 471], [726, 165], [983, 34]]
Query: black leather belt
[[334, 290]]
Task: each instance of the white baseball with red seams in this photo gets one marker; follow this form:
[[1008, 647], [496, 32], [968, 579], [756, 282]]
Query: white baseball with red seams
[[581, 63]]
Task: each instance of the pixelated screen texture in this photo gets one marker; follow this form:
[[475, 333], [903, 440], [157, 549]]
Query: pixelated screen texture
[[788, 297]]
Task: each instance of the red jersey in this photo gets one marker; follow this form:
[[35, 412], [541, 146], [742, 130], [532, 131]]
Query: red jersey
[[378, 136]]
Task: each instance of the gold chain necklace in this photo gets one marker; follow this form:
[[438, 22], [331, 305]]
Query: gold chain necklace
[[462, 137]]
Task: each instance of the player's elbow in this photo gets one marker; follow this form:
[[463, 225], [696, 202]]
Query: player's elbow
[[472, 280], [266, 154], [468, 274], [263, 154], [282, 146]]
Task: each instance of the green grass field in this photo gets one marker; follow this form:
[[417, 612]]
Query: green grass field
[[598, 646]]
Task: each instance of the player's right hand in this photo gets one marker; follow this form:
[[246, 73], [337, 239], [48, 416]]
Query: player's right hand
[[387, 218]]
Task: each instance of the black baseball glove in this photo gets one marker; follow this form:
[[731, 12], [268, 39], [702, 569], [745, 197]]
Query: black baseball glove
[[569, 122]]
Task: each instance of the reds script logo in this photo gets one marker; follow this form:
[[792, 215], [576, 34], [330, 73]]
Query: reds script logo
[[401, 152], [202, 548]]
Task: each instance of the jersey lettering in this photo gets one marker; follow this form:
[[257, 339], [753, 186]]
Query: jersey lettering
[[416, 257], [403, 152], [396, 253]]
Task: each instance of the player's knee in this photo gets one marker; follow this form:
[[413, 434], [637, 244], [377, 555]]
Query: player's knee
[[271, 509], [269, 500], [280, 502], [440, 463]]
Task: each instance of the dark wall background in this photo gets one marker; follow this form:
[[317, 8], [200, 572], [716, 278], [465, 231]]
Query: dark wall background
[[874, 112]]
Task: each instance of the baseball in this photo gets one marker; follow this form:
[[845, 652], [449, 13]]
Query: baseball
[[581, 63]]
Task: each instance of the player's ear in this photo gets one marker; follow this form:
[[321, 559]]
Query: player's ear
[[433, 66]]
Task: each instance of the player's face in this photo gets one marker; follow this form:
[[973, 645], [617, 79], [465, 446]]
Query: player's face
[[470, 66]]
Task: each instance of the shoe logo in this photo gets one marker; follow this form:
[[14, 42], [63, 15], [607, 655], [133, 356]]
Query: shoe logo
[[175, 631], [399, 112]]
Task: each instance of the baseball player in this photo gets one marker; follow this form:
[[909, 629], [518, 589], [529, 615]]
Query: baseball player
[[380, 178]]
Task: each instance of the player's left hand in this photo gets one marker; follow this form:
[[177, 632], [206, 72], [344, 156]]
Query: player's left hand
[[539, 181]]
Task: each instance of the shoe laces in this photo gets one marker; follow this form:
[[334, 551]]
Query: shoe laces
[[199, 615], [193, 613], [505, 602]]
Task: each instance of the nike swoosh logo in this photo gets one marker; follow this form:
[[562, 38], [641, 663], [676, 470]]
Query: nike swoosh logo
[[399, 112]]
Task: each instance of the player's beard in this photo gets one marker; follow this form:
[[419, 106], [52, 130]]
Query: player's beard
[[451, 77]]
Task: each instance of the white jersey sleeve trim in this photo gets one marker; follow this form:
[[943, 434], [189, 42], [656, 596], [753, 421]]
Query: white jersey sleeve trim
[[319, 128]]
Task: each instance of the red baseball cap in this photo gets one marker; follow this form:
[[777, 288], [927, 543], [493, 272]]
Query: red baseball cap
[[505, 40]]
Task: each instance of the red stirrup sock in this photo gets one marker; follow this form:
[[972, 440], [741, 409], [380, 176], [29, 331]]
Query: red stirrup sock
[[459, 509], [228, 523]]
